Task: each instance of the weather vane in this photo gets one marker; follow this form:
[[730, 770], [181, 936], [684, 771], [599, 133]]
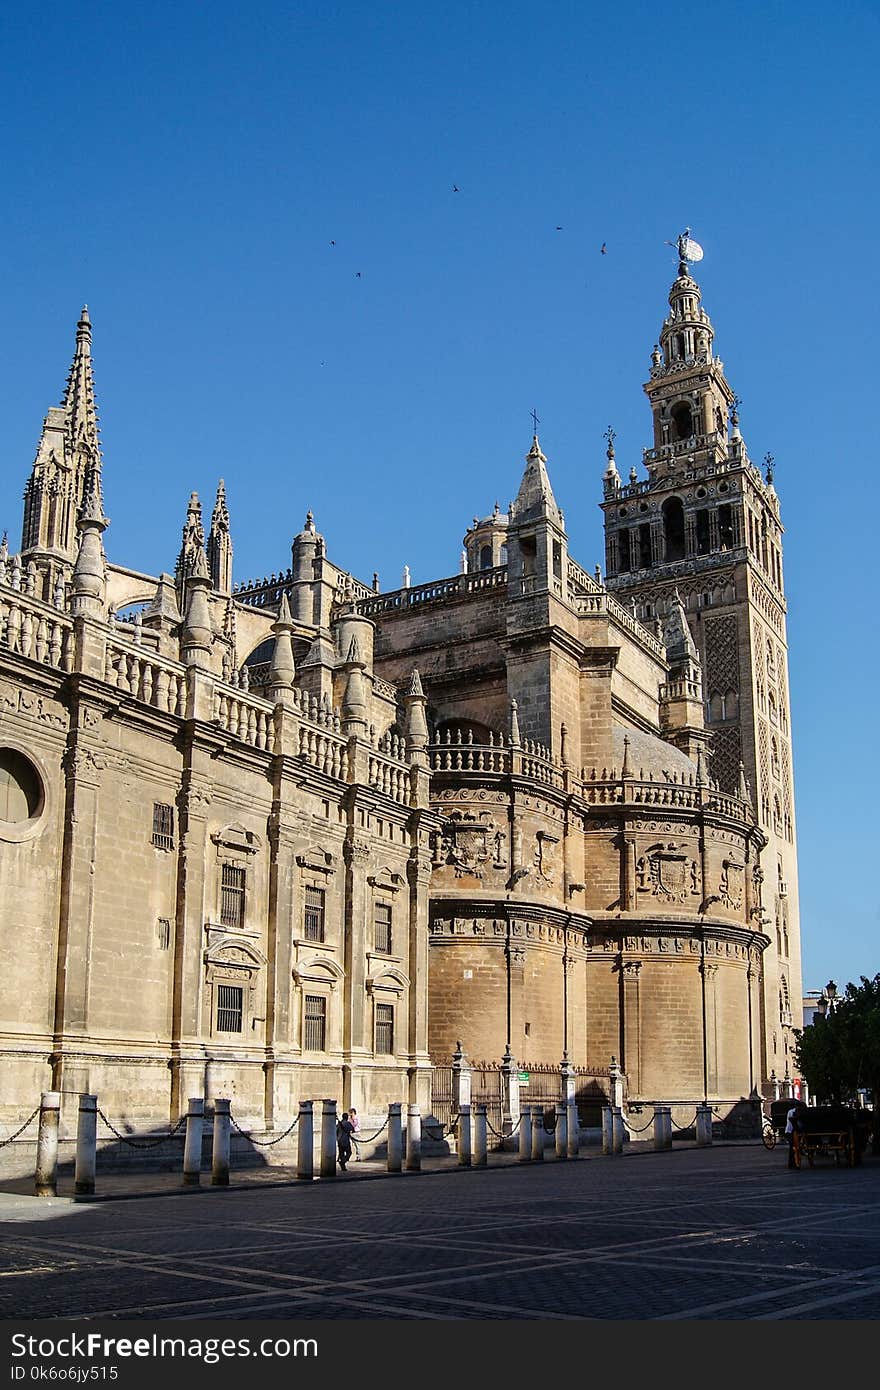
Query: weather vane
[[688, 250], [610, 434], [768, 459]]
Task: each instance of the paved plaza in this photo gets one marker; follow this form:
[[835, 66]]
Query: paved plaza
[[716, 1233]]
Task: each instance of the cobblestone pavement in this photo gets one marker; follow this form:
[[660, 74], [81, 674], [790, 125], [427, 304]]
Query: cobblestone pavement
[[717, 1233]]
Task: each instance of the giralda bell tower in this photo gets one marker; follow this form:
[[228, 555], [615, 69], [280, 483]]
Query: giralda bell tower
[[706, 522]]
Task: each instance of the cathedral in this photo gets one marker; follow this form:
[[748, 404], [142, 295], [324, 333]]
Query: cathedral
[[298, 837]]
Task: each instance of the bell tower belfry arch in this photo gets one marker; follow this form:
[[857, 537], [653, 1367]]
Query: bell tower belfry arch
[[706, 522]]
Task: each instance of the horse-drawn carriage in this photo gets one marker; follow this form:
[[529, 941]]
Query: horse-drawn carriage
[[821, 1131]]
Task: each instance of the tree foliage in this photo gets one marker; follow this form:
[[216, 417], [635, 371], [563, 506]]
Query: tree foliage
[[839, 1054]]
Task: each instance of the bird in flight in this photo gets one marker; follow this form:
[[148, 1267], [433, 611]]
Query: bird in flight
[[455, 188], [559, 229], [357, 275], [603, 250]]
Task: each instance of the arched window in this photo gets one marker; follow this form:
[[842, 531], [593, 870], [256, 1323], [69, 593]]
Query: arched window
[[682, 419], [485, 557], [673, 528], [774, 758], [21, 791], [777, 816]]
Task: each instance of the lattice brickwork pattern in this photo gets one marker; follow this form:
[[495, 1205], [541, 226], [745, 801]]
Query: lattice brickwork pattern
[[725, 758], [722, 655]]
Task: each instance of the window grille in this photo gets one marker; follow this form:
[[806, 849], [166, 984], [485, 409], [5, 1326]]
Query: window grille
[[163, 933], [230, 1004], [314, 914], [315, 1023], [163, 825], [232, 886], [384, 1027], [382, 923]]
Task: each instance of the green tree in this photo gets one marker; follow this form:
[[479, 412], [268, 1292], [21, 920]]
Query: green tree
[[839, 1054]]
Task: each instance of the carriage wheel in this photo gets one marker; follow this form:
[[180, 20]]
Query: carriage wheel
[[768, 1134]]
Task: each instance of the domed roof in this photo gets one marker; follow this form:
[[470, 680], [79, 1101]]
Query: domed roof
[[655, 757]]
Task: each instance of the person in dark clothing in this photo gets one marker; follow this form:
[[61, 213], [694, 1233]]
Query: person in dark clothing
[[344, 1131]]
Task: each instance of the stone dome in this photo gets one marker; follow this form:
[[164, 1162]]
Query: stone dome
[[652, 755]]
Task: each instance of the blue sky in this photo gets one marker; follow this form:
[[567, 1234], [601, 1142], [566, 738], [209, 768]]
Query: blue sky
[[185, 168]]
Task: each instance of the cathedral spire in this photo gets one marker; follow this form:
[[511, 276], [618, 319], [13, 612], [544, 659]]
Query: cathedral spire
[[192, 543], [68, 462], [220, 543]]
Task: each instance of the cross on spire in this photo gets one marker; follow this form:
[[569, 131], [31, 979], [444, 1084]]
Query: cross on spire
[[535, 422]]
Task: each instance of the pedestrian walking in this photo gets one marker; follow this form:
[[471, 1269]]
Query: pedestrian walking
[[355, 1131], [794, 1126], [344, 1131]]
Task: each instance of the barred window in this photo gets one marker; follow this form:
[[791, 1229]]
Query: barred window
[[315, 1023], [314, 914], [163, 933], [384, 1027], [230, 1004], [163, 825], [232, 886], [382, 924]]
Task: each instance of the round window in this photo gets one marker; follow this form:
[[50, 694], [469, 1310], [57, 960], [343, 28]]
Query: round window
[[21, 790], [722, 487]]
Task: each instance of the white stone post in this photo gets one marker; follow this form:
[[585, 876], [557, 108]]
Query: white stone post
[[777, 1086], [510, 1084], [662, 1127], [395, 1138], [616, 1077], [305, 1142], [220, 1147], [464, 1136], [46, 1173], [480, 1159], [606, 1129], [461, 1079], [192, 1144], [413, 1139], [704, 1126], [574, 1129], [327, 1167], [86, 1144], [537, 1133], [525, 1135], [618, 1128], [561, 1131]]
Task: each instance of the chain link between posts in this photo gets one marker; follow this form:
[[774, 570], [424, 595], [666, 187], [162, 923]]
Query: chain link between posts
[[21, 1129], [687, 1126], [263, 1143], [143, 1143]]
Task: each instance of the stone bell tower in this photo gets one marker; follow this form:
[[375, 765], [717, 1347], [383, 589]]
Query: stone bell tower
[[705, 525]]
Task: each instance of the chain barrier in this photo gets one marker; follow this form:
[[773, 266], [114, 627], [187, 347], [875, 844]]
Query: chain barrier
[[20, 1130], [143, 1143], [687, 1126], [263, 1143], [444, 1132], [490, 1126], [631, 1130], [368, 1138], [549, 1129]]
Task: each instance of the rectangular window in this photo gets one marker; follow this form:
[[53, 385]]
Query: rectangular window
[[315, 1023], [232, 886], [382, 923], [230, 1000], [384, 1027], [314, 914], [164, 933], [163, 825]]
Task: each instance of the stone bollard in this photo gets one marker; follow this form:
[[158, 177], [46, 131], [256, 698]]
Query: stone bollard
[[395, 1138], [305, 1143], [413, 1139], [525, 1134], [192, 1144], [464, 1137], [662, 1127], [606, 1129], [86, 1145], [704, 1126], [561, 1131], [46, 1174], [573, 1125], [220, 1147], [327, 1167], [537, 1133], [480, 1159], [510, 1105], [618, 1129]]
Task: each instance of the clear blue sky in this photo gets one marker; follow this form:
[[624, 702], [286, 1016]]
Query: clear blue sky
[[185, 167]]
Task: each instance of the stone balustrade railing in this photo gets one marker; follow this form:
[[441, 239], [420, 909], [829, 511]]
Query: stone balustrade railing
[[324, 750], [246, 717], [605, 603], [34, 629], [440, 590], [390, 776], [161, 684]]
